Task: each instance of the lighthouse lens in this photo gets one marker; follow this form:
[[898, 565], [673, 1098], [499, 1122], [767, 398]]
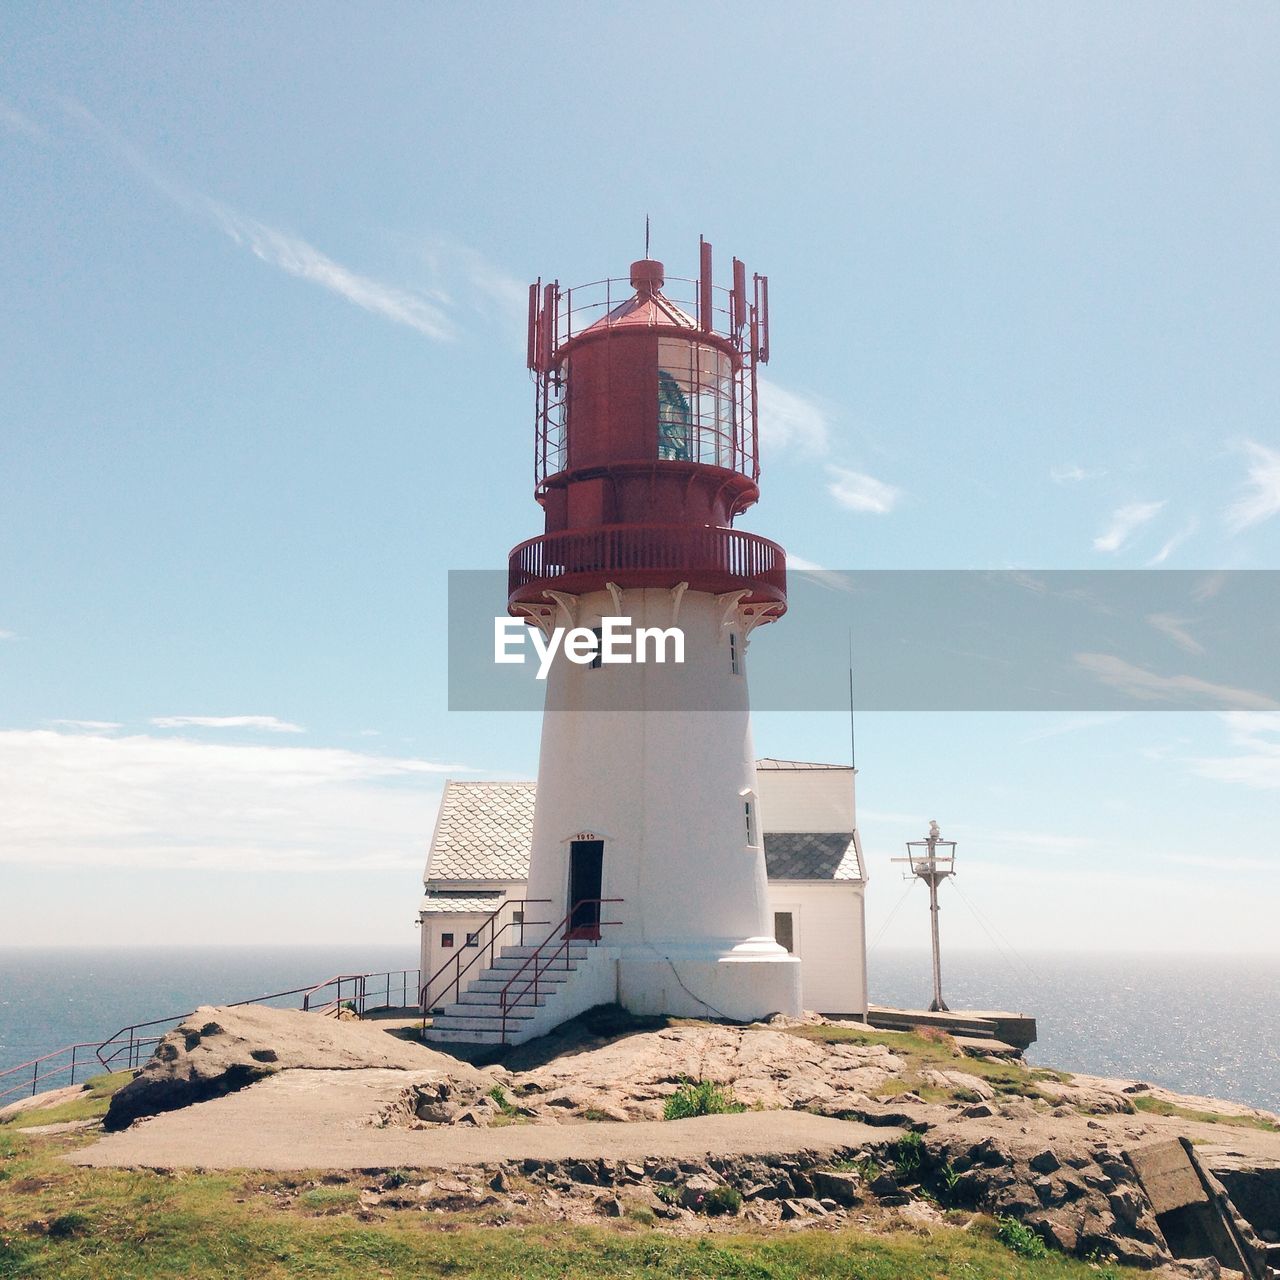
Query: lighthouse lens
[[695, 404]]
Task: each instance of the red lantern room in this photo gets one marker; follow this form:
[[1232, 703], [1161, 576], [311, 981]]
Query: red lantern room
[[647, 437]]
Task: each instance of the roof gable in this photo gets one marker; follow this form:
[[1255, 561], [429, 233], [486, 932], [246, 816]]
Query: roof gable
[[483, 832]]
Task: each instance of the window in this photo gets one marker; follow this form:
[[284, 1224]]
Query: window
[[784, 930], [446, 939], [735, 662], [697, 416], [473, 939], [750, 810], [598, 632], [517, 917]]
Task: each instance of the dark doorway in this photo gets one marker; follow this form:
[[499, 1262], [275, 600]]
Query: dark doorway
[[586, 865], [784, 930]]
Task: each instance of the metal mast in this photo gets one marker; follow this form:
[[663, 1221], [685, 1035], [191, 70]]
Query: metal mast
[[932, 860]]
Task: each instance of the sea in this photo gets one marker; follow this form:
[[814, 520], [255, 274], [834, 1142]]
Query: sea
[[1199, 1024]]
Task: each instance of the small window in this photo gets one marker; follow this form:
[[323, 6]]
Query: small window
[[517, 917], [473, 939], [784, 930], [446, 939], [735, 662], [599, 635], [750, 812]]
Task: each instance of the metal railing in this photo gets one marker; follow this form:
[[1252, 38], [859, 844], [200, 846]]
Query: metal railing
[[708, 557], [123, 1050], [544, 961], [481, 948]]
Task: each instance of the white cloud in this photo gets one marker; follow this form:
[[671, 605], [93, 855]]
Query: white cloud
[[789, 420], [1257, 762], [1176, 630], [8, 635], [1261, 497], [173, 803], [1186, 691], [268, 723], [861, 492], [289, 253], [14, 121], [1124, 521], [1174, 543], [90, 726], [461, 269], [1072, 474]]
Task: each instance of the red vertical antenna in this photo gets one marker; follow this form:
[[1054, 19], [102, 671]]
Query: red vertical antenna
[[706, 316]]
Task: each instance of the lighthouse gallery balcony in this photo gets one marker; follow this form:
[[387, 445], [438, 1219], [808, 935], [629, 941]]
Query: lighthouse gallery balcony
[[708, 558]]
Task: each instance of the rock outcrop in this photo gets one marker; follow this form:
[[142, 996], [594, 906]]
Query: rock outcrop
[[218, 1050]]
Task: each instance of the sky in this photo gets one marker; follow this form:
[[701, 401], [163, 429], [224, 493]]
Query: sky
[[262, 386]]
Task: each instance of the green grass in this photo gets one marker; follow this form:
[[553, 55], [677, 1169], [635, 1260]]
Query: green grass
[[89, 1105], [60, 1222], [1159, 1107], [505, 1105], [700, 1098]]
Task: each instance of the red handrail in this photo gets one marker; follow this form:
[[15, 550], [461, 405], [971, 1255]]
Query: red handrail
[[566, 940]]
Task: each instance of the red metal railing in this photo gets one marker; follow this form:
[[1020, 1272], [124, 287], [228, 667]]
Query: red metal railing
[[123, 1049], [481, 948], [542, 960], [709, 558]]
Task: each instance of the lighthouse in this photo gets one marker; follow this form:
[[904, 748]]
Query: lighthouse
[[647, 841]]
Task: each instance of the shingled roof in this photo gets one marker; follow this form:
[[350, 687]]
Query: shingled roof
[[811, 855], [483, 832]]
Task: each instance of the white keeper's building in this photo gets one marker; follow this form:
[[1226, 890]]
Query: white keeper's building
[[479, 860]]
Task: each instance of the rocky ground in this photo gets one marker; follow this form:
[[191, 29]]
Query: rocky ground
[[933, 1134]]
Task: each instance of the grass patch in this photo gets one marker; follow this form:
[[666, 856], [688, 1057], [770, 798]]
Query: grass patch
[[700, 1098], [1019, 1238], [1159, 1107], [91, 1104], [505, 1105], [329, 1199]]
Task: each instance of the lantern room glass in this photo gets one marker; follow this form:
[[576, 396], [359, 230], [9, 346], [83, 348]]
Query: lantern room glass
[[696, 412]]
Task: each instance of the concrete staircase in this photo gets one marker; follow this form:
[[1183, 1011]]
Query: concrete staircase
[[577, 979]]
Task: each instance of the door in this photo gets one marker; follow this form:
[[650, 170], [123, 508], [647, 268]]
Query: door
[[586, 871], [784, 930]]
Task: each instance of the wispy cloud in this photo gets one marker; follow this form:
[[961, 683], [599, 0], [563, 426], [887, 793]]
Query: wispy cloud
[[1075, 723], [461, 269], [1174, 543], [789, 420], [269, 724], [1073, 474], [1124, 522], [1182, 690], [1176, 630], [1256, 762], [89, 726], [8, 635], [1261, 497], [13, 121], [290, 253], [155, 801], [861, 492]]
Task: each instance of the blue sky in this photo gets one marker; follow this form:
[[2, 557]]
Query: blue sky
[[262, 386]]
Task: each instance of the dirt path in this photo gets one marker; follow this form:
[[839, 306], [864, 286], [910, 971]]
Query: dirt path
[[323, 1120]]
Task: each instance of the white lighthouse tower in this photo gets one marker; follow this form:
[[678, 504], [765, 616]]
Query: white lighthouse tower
[[647, 844]]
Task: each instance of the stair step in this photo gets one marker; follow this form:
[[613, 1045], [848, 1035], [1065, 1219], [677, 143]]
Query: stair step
[[513, 964], [492, 998], [492, 1012], [576, 952], [461, 1036], [457, 1022]]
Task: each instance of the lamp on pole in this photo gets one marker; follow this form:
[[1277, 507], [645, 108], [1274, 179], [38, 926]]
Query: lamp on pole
[[932, 860]]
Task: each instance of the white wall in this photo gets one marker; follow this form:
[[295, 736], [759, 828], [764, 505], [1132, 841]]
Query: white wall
[[806, 799], [625, 758], [830, 939]]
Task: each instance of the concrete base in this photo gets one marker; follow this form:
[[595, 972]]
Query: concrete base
[[744, 983]]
